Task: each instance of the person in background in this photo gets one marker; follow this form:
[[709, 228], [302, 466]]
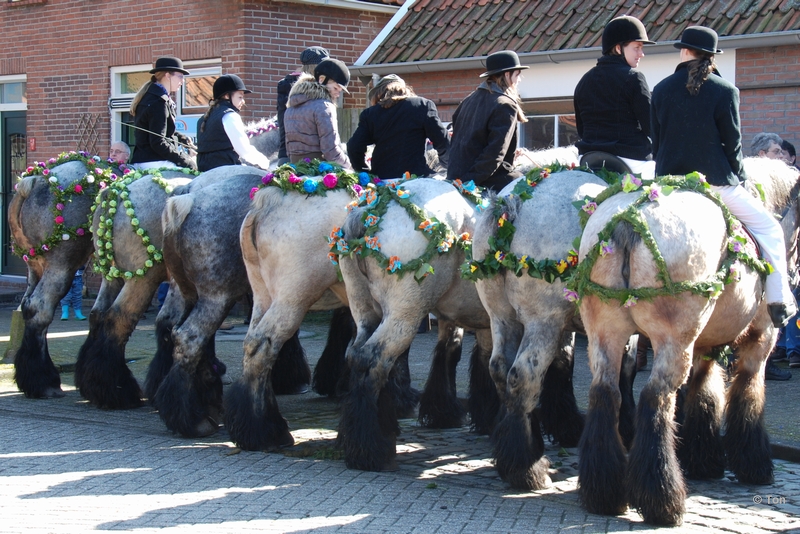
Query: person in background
[[119, 153], [74, 297], [789, 154], [612, 100], [309, 59], [695, 103], [398, 123], [157, 141], [767, 145], [310, 122], [221, 137], [485, 126]]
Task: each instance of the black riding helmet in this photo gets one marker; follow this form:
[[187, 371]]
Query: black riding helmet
[[621, 30], [228, 83], [335, 70]]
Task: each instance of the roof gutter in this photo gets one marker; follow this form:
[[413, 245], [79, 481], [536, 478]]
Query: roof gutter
[[554, 56], [348, 4]]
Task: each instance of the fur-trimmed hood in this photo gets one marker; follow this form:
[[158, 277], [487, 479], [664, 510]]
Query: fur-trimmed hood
[[307, 89]]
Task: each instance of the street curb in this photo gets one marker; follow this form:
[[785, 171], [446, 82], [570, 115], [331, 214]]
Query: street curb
[[783, 451]]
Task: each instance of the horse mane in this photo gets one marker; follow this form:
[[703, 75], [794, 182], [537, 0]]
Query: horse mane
[[175, 212]]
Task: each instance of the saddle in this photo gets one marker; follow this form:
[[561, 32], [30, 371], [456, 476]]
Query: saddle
[[597, 160]]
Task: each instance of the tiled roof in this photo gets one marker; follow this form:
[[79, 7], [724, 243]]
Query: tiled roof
[[450, 29]]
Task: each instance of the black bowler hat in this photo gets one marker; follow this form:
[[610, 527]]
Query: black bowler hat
[[335, 70], [169, 63], [502, 61], [699, 38]]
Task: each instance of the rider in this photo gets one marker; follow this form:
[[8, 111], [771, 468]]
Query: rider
[[695, 104], [310, 121], [485, 126], [612, 100], [221, 138], [157, 141], [398, 123]]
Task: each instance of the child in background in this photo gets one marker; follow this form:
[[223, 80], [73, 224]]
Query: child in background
[[74, 297]]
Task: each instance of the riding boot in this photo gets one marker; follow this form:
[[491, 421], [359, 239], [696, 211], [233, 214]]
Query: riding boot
[[64, 313], [79, 315]]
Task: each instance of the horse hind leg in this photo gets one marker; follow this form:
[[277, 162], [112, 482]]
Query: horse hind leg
[[439, 406], [34, 372], [172, 313], [189, 399], [483, 402], [746, 440], [559, 411], [700, 449], [331, 365], [602, 461]]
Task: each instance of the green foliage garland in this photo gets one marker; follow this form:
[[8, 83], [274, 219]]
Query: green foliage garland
[[376, 199], [97, 174], [580, 284], [118, 196], [499, 255]]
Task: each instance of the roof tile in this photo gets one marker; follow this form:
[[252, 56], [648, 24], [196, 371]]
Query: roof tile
[[449, 29]]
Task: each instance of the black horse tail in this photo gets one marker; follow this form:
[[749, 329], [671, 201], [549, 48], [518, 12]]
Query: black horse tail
[[625, 240]]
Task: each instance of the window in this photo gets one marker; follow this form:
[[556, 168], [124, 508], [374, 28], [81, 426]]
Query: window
[[13, 93], [545, 131], [192, 99]]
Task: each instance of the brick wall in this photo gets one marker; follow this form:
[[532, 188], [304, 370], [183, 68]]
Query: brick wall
[[67, 46], [769, 82]]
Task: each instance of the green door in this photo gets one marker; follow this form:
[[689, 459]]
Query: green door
[[13, 157]]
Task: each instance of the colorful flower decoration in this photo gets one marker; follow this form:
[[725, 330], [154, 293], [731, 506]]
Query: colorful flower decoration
[[63, 195], [313, 177]]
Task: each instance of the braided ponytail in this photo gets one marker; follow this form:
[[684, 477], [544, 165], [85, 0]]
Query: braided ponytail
[[700, 69]]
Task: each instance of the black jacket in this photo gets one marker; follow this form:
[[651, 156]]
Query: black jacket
[[399, 134], [284, 87], [214, 147], [154, 114], [697, 133], [484, 139], [612, 110]]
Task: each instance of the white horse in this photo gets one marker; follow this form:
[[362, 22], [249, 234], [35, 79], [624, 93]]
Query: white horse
[[671, 263]]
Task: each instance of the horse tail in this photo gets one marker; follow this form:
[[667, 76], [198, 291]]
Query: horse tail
[[625, 238], [175, 212], [24, 188], [353, 227]]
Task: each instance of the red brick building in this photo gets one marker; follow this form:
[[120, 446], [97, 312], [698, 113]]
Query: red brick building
[[69, 68]]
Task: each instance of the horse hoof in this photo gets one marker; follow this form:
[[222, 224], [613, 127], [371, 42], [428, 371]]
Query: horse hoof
[[206, 428], [52, 393]]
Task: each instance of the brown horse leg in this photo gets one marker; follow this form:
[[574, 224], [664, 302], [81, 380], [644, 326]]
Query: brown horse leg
[[700, 448], [746, 440], [602, 462]]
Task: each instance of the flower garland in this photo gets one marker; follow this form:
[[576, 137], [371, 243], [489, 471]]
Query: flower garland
[[730, 269], [118, 196], [376, 199], [97, 175], [499, 255], [261, 127], [315, 177]]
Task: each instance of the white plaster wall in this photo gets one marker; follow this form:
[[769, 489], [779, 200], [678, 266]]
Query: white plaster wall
[[558, 80]]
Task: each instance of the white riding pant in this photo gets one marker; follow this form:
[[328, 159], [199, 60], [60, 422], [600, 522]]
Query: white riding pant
[[767, 231], [645, 169], [155, 165]]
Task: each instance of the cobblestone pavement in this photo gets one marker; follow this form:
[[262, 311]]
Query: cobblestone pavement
[[66, 466]]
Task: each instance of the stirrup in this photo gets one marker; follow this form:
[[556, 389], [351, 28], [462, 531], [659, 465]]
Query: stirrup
[[597, 160]]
